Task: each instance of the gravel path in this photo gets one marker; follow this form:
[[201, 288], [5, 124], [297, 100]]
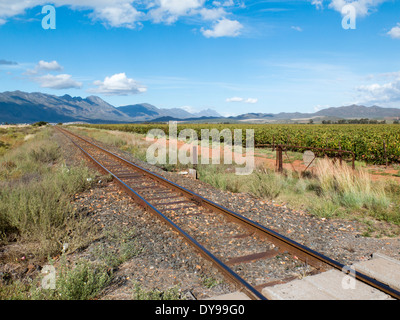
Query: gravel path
[[166, 261]]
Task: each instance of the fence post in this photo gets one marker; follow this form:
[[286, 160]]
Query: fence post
[[273, 142], [279, 162], [384, 149], [195, 156]]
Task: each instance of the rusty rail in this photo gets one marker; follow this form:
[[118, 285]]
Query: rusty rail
[[304, 253]]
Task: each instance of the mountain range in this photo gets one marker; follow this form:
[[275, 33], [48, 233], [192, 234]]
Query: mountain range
[[332, 114], [23, 107], [345, 112], [148, 112]]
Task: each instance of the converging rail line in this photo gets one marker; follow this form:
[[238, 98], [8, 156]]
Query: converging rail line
[[240, 244]]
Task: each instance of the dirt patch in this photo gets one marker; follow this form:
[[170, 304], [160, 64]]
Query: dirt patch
[[376, 172]]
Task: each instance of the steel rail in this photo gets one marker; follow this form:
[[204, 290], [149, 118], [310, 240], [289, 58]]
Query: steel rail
[[304, 253], [228, 272]]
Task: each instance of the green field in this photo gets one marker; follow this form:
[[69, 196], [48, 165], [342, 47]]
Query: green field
[[367, 141]]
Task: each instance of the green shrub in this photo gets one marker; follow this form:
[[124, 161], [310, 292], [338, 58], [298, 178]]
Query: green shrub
[[40, 124], [84, 281], [141, 294], [35, 198]]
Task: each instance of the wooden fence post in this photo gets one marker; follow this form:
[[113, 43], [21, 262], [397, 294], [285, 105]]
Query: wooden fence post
[[279, 162], [384, 149]]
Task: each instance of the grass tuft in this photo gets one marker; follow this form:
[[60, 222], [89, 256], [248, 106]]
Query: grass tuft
[[84, 281], [35, 196]]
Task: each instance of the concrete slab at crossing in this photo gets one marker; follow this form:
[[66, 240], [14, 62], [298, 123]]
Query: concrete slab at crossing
[[381, 268], [330, 285]]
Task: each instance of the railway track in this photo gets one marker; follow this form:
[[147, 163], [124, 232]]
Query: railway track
[[240, 248]]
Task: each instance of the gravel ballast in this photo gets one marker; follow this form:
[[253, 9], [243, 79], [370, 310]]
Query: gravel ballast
[[166, 260]]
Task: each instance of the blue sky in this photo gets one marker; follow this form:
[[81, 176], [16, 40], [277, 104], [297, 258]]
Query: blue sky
[[232, 56]]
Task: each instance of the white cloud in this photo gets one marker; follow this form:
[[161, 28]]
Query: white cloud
[[228, 3], [223, 28], [122, 15], [180, 7], [130, 13], [212, 14], [170, 10], [362, 7], [17, 7], [239, 99], [60, 81], [317, 3], [235, 99], [118, 85], [381, 93], [251, 100], [297, 28], [395, 32], [53, 65], [45, 66]]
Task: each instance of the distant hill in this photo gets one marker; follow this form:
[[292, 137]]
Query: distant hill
[[207, 113], [334, 113], [148, 112], [358, 112], [253, 116], [142, 111], [23, 107], [194, 119]]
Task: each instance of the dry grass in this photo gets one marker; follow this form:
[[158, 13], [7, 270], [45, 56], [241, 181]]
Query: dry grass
[[35, 197], [333, 190], [352, 189], [130, 142]]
